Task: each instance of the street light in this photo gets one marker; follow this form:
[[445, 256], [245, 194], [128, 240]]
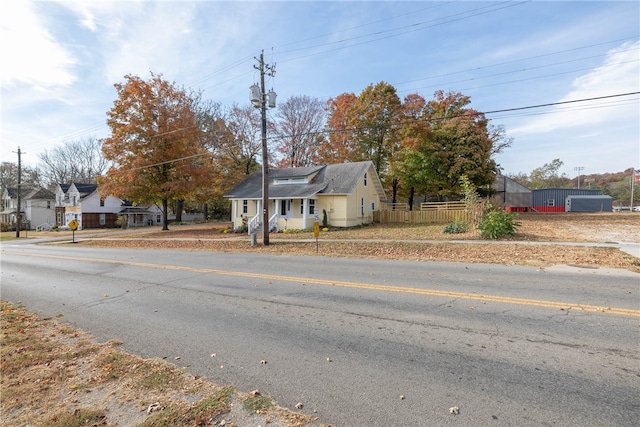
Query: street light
[[262, 100]]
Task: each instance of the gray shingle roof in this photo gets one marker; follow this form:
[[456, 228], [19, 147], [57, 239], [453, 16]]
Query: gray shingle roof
[[30, 193], [330, 179]]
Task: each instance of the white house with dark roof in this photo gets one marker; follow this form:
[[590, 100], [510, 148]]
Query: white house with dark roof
[[83, 203], [348, 193], [36, 206]]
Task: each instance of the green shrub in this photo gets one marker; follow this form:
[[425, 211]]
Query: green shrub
[[498, 223], [456, 227]]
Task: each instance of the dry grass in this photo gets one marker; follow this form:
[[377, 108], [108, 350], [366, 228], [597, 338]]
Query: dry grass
[[53, 375], [422, 242]]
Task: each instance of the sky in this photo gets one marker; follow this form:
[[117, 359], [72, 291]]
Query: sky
[[561, 77]]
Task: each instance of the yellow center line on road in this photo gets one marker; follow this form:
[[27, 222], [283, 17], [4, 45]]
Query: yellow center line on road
[[368, 286]]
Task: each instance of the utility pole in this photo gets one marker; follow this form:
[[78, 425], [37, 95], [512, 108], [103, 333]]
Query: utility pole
[[18, 210], [261, 100], [578, 168]]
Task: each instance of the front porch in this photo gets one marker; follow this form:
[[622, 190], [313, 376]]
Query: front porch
[[284, 214]]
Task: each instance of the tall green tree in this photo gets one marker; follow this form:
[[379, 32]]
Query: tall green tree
[[156, 146], [407, 160], [375, 119], [549, 176], [457, 140]]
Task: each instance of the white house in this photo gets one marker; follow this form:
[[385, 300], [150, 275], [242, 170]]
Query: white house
[[83, 203], [139, 216], [36, 206], [346, 194]]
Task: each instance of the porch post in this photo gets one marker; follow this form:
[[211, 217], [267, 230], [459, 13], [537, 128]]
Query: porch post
[[305, 207], [234, 213]]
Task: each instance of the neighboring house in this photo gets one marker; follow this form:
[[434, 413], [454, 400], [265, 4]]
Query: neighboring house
[[140, 216], [36, 206], [83, 203], [348, 193]]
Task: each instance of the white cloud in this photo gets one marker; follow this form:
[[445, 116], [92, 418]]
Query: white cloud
[[619, 74], [29, 52]]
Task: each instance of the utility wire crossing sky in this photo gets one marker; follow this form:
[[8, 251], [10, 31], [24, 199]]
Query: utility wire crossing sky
[[563, 78]]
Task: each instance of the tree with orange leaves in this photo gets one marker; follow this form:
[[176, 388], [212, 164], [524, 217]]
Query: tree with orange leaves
[[341, 145], [156, 147]]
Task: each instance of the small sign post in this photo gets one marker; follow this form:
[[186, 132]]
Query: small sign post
[[73, 225]]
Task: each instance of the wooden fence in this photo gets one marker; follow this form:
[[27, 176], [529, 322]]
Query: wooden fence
[[420, 217], [443, 206], [429, 213]]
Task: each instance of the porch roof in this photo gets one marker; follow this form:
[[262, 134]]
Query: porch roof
[[130, 210]]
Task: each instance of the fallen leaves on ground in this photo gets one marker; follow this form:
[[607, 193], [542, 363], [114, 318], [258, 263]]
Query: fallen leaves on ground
[[52, 374], [421, 242]]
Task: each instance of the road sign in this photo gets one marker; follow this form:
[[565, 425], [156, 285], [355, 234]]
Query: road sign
[[316, 229], [73, 224]]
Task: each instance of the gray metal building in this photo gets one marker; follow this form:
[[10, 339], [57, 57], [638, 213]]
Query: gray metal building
[[588, 204], [512, 195], [554, 199]]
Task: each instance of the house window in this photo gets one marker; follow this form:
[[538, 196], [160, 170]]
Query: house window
[[245, 206], [73, 201], [362, 206], [301, 206], [551, 202], [373, 206], [312, 206], [158, 219], [365, 179], [103, 219], [59, 218], [48, 204], [101, 202]]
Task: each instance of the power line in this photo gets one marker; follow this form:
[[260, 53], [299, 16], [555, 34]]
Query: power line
[[393, 32], [551, 104]]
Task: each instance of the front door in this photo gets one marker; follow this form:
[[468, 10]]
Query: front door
[[285, 208]]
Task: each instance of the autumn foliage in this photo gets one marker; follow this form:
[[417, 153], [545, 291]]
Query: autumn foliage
[[156, 146]]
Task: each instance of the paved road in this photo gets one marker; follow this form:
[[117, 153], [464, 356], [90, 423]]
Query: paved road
[[507, 345]]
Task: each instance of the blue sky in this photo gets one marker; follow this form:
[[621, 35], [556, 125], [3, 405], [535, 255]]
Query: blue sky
[[60, 60]]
